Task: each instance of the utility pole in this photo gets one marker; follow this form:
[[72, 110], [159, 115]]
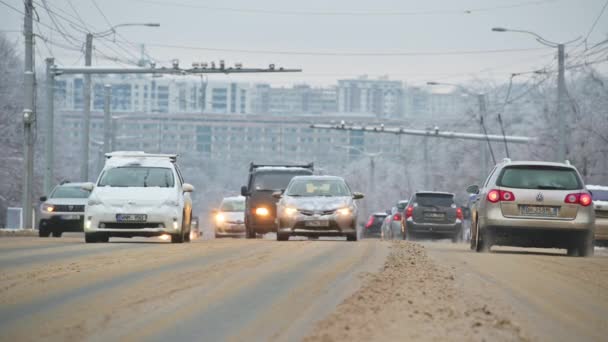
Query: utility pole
[[50, 117], [113, 133], [29, 116], [107, 130], [483, 169], [86, 121], [561, 116], [427, 168]]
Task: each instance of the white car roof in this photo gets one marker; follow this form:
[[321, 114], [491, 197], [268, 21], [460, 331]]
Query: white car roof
[[138, 158]]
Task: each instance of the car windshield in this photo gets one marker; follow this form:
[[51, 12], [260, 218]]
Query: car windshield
[[401, 205], [600, 195], [274, 180], [318, 187], [69, 192], [435, 200], [539, 177], [233, 206], [143, 177]]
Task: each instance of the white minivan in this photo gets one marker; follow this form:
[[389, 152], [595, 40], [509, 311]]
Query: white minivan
[[138, 194]]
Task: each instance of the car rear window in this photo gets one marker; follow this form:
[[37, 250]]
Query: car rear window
[[539, 177], [599, 195], [137, 177], [401, 205], [275, 180], [435, 200]]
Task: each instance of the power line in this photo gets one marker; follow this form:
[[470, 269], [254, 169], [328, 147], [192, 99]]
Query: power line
[[391, 13], [596, 20], [350, 54]]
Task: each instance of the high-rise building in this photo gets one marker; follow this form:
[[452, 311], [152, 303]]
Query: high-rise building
[[381, 97]]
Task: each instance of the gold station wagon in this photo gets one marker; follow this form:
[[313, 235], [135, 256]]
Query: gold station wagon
[[533, 204]]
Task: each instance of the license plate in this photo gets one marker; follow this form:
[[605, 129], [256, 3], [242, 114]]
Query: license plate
[[131, 218], [318, 223], [70, 217], [535, 210], [434, 215]]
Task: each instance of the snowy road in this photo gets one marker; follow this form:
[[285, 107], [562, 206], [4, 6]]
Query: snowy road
[[62, 289]]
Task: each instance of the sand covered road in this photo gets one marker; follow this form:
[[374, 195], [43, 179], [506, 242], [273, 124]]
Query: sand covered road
[[243, 290]]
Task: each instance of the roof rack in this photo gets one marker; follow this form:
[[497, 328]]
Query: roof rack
[[140, 154], [506, 160], [567, 162], [253, 166]]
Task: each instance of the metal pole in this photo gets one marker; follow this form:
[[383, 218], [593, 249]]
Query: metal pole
[[107, 92], [427, 169], [29, 116], [50, 126], [483, 169], [561, 117], [86, 122], [113, 146]]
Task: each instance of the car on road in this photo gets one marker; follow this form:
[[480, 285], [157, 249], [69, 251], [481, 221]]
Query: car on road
[[391, 227], [599, 195], [229, 219], [533, 204], [432, 214], [373, 226], [317, 206], [138, 194], [260, 206], [63, 210]]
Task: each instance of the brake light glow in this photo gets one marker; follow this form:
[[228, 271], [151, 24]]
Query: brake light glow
[[580, 198], [496, 196], [409, 211], [459, 213], [369, 222], [261, 211], [397, 217]]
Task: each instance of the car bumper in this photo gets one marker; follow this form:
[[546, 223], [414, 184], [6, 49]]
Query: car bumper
[[230, 229], [495, 218], [323, 224], [433, 228], [64, 222], [101, 219], [601, 229]]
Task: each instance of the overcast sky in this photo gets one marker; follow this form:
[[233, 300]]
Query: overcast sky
[[418, 32]]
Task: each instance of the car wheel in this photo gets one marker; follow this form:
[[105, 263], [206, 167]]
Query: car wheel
[[351, 237], [282, 236], [473, 241], [44, 232], [57, 234], [90, 238], [187, 232], [177, 238], [249, 233], [484, 241], [105, 238], [585, 245]]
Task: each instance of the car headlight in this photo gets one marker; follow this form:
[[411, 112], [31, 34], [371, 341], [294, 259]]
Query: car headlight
[[261, 211], [290, 211], [219, 218], [49, 208], [344, 211]]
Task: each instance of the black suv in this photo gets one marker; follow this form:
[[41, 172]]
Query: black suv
[[260, 206], [433, 214]]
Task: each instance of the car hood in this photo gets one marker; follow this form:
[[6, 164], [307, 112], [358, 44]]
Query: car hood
[[72, 201], [318, 203], [134, 196]]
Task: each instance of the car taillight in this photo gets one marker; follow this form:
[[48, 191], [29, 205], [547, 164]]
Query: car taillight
[[369, 222], [409, 212], [459, 213], [580, 198], [397, 217], [495, 196]]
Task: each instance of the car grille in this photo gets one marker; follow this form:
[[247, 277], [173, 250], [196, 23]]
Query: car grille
[[129, 225], [312, 213], [68, 208], [302, 225]]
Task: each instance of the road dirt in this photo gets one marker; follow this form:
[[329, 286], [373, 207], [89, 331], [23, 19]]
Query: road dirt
[[325, 290]]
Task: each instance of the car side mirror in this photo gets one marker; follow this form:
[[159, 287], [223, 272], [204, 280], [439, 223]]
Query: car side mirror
[[43, 198], [88, 186], [187, 187], [357, 195], [244, 191], [277, 194], [473, 189]]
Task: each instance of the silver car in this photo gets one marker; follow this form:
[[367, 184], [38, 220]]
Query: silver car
[[533, 204], [317, 206], [230, 218], [391, 227], [63, 210]]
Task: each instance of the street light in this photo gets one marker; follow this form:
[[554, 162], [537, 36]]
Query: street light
[[561, 85], [84, 168]]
